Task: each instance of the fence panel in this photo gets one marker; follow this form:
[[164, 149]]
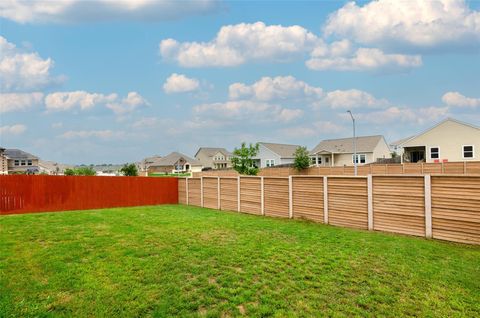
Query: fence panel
[[399, 204], [276, 197], [454, 167], [210, 192], [228, 194], [250, 195], [23, 193], [308, 198], [394, 168], [456, 208], [194, 189], [473, 167], [412, 168], [379, 169], [182, 190], [348, 202]]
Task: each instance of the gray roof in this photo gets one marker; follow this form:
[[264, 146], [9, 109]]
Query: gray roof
[[172, 159], [211, 151], [52, 166], [18, 154], [283, 150], [345, 145]]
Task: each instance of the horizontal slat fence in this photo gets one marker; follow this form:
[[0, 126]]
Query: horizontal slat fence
[[25, 194], [440, 206], [465, 168]]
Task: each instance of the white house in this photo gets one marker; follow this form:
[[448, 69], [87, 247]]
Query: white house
[[449, 140], [339, 152], [271, 154]]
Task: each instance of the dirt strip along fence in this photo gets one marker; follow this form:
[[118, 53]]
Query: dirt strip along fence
[[465, 168], [25, 194], [444, 207]]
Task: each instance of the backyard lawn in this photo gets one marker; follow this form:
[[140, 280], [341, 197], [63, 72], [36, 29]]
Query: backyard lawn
[[167, 261]]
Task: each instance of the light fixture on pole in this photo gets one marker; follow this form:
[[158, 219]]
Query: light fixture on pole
[[355, 159]]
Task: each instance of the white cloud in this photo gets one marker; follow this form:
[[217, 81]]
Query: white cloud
[[23, 71], [133, 101], [420, 24], [10, 102], [248, 110], [396, 114], [100, 134], [62, 101], [276, 88], [57, 125], [237, 44], [13, 129], [71, 11], [313, 129], [458, 100], [363, 59], [179, 83], [353, 98]]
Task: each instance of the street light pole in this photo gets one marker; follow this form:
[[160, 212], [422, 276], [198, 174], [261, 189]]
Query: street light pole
[[355, 159]]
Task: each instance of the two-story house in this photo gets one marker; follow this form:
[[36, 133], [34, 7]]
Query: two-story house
[[19, 161], [214, 158], [273, 154]]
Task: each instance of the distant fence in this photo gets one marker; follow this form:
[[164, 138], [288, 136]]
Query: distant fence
[[467, 168], [23, 193], [443, 207]]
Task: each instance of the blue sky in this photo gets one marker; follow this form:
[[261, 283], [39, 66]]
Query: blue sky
[[103, 81]]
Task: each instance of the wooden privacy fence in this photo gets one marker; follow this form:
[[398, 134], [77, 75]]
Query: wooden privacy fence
[[443, 207], [466, 168], [23, 193]]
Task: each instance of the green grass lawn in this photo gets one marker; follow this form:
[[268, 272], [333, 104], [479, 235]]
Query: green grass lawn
[[167, 261]]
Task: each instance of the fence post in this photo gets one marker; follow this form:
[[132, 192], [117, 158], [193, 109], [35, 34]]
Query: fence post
[[201, 192], [186, 188], [238, 193], [421, 164], [290, 197], [370, 202], [428, 206], [218, 193], [325, 199], [262, 196]]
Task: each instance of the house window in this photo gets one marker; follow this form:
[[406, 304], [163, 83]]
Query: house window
[[17, 162], [468, 152], [270, 162], [314, 160], [23, 162], [361, 158], [434, 152], [29, 162], [327, 160]]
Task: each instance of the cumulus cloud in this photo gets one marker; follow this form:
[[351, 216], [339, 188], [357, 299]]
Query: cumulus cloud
[[13, 129], [23, 71], [352, 98], [456, 99], [274, 88], [313, 129], [179, 83], [396, 114], [77, 11], [62, 101], [237, 44], [363, 59], [10, 102], [248, 110], [417, 24]]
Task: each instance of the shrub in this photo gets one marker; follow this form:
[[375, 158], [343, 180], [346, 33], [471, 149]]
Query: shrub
[[242, 160], [129, 170], [302, 158]]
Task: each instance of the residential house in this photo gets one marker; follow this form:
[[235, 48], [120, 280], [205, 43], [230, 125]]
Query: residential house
[[214, 158], [449, 140], [272, 154], [3, 162], [340, 152], [175, 163], [52, 168], [19, 161]]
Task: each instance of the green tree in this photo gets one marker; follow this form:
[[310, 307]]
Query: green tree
[[129, 169], [85, 171], [242, 160], [69, 172], [302, 159]]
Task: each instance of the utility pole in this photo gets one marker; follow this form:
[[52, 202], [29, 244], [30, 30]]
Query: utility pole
[[355, 159]]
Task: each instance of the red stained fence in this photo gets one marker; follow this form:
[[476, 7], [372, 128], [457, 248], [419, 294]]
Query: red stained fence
[[23, 194]]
